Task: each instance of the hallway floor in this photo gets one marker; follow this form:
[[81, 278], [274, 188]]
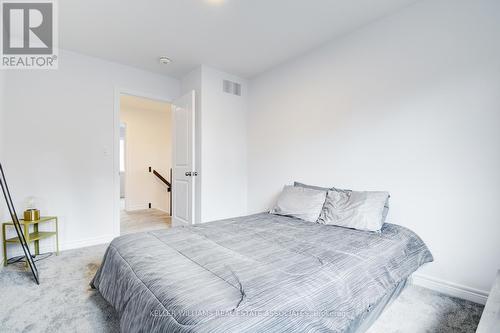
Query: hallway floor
[[143, 220]]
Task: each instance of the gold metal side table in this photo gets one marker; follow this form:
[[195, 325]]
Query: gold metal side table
[[34, 236]]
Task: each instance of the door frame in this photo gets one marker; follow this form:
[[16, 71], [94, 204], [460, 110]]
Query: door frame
[[119, 91], [126, 162]]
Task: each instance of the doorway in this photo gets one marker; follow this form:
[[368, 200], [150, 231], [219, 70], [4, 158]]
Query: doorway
[[183, 178], [145, 161]]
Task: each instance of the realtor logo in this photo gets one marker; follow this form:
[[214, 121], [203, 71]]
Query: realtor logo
[[29, 36]]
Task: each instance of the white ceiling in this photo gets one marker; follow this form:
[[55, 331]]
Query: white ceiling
[[243, 37]]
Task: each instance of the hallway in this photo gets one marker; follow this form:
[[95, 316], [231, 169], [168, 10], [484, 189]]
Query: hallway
[[143, 220]]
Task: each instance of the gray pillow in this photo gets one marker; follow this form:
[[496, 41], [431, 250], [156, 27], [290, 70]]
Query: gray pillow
[[386, 204], [353, 209], [297, 184], [300, 202]]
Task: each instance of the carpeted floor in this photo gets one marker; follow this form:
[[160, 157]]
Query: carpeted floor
[[419, 310], [64, 302]]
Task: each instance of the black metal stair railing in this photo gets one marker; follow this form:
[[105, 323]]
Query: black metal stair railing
[[166, 182]]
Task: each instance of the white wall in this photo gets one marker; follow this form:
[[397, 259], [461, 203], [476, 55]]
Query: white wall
[[148, 143], [3, 207], [409, 104], [60, 130], [224, 143], [221, 144], [2, 111]]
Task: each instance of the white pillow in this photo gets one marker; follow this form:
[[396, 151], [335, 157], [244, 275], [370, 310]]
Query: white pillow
[[303, 203], [356, 210]]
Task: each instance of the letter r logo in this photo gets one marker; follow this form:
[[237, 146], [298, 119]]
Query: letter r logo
[[27, 27]]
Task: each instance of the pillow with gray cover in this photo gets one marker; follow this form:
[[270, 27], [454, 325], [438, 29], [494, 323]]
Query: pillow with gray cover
[[300, 202], [353, 209], [386, 204]]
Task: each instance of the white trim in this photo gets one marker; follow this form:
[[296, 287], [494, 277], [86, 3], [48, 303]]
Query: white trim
[[450, 288], [116, 147], [161, 210], [125, 140], [87, 242]]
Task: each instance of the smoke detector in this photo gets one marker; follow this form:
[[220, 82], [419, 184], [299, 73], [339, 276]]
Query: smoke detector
[[165, 60]]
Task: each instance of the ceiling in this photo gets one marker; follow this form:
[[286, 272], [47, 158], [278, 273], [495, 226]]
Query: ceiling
[[243, 37]]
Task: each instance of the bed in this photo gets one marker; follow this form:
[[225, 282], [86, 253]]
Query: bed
[[258, 273]]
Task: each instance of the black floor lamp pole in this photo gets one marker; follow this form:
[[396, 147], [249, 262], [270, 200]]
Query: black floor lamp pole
[[17, 226]]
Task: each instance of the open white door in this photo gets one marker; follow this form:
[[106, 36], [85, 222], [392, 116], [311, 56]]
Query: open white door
[[183, 160]]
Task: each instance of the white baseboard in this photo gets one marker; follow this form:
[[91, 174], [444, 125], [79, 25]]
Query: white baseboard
[[87, 242], [450, 288], [162, 210]]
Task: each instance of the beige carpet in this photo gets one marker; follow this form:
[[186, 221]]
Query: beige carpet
[[143, 220]]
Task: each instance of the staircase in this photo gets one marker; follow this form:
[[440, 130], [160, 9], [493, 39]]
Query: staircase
[[166, 182]]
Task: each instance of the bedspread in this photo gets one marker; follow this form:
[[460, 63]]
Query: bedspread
[[258, 273]]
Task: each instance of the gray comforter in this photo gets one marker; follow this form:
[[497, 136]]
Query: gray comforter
[[260, 273]]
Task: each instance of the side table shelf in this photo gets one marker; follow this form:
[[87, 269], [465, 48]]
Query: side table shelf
[[31, 237]]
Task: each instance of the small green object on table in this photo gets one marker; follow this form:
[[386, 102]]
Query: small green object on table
[[34, 236]]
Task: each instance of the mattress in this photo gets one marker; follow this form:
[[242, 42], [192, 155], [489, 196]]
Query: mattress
[[258, 273]]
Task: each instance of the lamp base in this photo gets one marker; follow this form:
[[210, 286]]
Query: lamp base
[[31, 215]]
